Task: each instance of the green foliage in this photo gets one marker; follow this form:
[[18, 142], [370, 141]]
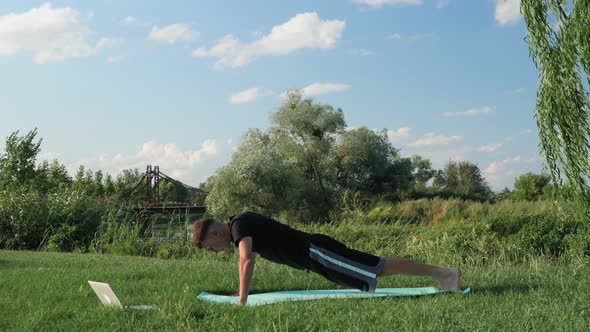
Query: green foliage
[[367, 162], [260, 177], [82, 182], [504, 194], [462, 179], [167, 191], [562, 54], [23, 219], [64, 220], [98, 183], [303, 163], [464, 230], [51, 178], [306, 133], [422, 171], [532, 187], [109, 185], [126, 232], [17, 164]]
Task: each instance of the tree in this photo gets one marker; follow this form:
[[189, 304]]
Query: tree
[[80, 182], [303, 163], [17, 165], [88, 182], [201, 195], [167, 191], [97, 183], [463, 179], [260, 177], [51, 177], [531, 187], [126, 181], [109, 185], [367, 162], [307, 132], [422, 172], [561, 53], [504, 194]]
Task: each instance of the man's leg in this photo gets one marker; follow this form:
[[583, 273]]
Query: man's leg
[[447, 278]]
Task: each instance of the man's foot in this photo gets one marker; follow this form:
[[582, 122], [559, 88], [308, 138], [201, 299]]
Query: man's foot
[[449, 279]]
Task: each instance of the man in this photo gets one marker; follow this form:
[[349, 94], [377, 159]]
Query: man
[[279, 243]]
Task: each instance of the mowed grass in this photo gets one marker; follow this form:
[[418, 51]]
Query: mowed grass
[[49, 291]]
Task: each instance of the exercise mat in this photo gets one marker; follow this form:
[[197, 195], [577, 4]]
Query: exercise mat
[[302, 295]]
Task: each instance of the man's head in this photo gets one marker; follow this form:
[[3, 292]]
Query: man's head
[[211, 235]]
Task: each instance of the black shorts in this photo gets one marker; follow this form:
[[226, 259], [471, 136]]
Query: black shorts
[[344, 266]]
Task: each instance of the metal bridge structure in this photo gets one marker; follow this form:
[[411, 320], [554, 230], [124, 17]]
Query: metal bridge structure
[[151, 180]]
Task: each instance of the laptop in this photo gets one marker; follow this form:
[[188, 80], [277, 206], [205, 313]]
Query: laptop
[[109, 299]]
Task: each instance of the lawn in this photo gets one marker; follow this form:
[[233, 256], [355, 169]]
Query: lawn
[[49, 291]]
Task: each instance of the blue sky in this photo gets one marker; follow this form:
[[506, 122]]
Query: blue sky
[[119, 84]]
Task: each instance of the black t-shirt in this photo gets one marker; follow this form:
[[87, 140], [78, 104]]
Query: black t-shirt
[[274, 241]]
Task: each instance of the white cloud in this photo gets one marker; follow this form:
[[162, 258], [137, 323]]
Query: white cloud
[[497, 172], [507, 11], [472, 112], [316, 89], [525, 132], [494, 167], [172, 33], [51, 34], [49, 156], [520, 90], [115, 58], [362, 52], [132, 21], [498, 166], [302, 31], [129, 20], [109, 43], [439, 155], [395, 36], [431, 140], [396, 136], [381, 3], [171, 159], [522, 132], [245, 96], [442, 4], [490, 147], [409, 38]]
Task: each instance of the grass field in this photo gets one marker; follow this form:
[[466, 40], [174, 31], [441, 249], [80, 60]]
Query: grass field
[[48, 291]]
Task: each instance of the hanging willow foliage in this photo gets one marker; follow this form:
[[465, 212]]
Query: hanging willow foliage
[[558, 34]]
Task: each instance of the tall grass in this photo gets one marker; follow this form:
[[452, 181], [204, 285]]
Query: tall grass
[[435, 230]]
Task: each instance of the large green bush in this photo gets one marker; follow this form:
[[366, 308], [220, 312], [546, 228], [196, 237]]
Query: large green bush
[[64, 220], [304, 162]]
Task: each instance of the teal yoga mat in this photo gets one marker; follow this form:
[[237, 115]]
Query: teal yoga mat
[[301, 295]]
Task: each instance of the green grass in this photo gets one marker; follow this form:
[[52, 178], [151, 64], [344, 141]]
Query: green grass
[[48, 291]]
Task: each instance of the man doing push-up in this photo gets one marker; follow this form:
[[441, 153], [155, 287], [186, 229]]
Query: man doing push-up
[[279, 243]]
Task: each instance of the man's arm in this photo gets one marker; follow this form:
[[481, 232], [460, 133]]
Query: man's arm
[[246, 268]]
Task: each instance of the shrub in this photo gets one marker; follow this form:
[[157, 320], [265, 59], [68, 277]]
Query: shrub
[[60, 221], [24, 220]]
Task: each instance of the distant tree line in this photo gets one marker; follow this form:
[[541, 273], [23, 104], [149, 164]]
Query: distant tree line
[[308, 158], [20, 171], [302, 165]]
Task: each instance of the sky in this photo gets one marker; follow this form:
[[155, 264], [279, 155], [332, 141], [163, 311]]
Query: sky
[[115, 84]]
